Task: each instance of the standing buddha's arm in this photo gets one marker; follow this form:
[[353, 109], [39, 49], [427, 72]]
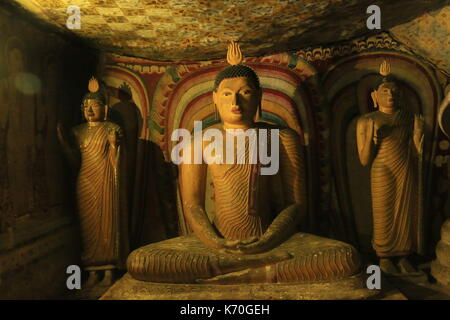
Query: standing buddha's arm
[[364, 137], [115, 138]]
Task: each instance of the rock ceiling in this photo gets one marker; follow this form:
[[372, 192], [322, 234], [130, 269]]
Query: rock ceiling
[[183, 30]]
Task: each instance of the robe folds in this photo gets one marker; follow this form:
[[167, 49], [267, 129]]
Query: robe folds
[[395, 187], [100, 196]]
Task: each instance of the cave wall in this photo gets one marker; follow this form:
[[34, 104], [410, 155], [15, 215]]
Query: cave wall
[[41, 84]]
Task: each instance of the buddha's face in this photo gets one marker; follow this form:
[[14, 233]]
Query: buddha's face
[[387, 95], [237, 100], [94, 110]]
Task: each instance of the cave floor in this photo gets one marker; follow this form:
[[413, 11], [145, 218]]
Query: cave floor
[[392, 289]]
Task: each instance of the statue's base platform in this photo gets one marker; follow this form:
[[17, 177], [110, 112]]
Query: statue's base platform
[[128, 288]]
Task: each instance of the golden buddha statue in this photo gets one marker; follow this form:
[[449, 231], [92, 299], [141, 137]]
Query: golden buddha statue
[[252, 238], [99, 189], [390, 141]]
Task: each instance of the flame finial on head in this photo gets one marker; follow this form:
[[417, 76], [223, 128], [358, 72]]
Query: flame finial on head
[[385, 68], [236, 69], [234, 54], [93, 85]]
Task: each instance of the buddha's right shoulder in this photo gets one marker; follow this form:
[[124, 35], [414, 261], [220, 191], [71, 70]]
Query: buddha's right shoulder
[[367, 116]]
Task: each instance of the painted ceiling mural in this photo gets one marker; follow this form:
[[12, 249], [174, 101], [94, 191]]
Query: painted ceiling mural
[[193, 30]]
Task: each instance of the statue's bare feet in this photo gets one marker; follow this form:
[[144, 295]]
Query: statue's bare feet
[[108, 279], [92, 280], [406, 266], [387, 266]]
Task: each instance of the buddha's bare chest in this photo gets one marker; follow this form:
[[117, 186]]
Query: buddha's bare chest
[[91, 138], [241, 184], [384, 121]]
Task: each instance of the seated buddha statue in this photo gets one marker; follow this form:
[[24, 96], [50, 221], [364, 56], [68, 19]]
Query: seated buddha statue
[[253, 237]]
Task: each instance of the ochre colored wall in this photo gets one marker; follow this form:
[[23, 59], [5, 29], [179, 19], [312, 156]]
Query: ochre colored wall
[[41, 84]]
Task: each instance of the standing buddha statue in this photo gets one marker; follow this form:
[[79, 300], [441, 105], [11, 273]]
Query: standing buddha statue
[[96, 149], [390, 140]]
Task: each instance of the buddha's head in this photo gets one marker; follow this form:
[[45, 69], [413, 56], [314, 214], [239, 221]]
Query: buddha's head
[[94, 105], [237, 92], [386, 92]]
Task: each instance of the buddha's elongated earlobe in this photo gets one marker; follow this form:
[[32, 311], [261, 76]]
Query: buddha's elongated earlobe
[[374, 96], [106, 112], [216, 113]]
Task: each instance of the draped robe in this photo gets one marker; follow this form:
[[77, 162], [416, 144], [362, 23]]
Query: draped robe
[[395, 186], [100, 200]]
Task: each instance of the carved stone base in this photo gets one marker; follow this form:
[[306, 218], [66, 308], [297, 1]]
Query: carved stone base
[[128, 288]]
